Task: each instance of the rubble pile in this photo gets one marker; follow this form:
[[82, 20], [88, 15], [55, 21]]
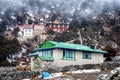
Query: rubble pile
[[117, 59], [114, 75]]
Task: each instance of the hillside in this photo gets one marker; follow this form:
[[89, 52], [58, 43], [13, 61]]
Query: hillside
[[97, 21]]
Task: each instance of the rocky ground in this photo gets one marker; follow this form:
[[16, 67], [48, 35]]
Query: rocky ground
[[79, 76], [87, 76], [10, 73]]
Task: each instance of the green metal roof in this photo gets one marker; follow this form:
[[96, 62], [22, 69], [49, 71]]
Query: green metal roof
[[53, 44], [48, 44]]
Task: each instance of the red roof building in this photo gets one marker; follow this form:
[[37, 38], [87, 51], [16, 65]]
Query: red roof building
[[56, 26]]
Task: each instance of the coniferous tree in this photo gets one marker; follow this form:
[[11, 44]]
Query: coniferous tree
[[8, 47]]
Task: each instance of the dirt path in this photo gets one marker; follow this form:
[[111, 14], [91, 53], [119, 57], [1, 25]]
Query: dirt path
[[86, 76]]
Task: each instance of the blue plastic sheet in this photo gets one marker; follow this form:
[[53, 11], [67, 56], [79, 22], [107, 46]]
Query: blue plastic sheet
[[46, 74]]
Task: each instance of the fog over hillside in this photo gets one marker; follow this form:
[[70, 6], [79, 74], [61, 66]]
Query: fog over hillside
[[94, 15], [81, 8]]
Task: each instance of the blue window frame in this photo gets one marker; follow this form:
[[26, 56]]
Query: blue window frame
[[86, 55], [69, 54], [47, 53]]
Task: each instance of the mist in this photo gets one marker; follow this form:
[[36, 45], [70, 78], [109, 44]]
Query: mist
[[80, 8]]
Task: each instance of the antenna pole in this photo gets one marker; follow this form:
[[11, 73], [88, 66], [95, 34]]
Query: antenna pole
[[80, 38]]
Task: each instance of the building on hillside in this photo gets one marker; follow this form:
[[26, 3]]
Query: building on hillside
[[30, 31], [56, 26], [64, 54], [26, 31]]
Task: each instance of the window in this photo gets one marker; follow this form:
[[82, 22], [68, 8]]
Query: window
[[86, 55], [68, 54], [28, 32], [48, 53], [55, 30]]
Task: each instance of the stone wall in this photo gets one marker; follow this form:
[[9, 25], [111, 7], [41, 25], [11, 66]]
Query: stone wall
[[9, 73], [110, 65]]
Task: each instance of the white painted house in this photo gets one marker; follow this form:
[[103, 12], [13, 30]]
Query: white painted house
[[29, 31], [64, 54]]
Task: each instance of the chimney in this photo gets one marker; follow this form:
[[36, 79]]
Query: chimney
[[92, 46]]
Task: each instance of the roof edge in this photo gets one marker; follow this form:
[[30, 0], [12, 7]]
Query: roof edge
[[102, 52]]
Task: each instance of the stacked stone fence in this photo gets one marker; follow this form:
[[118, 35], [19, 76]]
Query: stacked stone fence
[[110, 65], [10, 73]]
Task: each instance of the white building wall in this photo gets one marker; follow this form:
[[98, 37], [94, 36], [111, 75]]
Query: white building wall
[[58, 55], [96, 58], [40, 53], [32, 63]]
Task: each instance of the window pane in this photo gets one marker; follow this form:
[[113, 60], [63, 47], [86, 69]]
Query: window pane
[[69, 54], [48, 53], [86, 55]]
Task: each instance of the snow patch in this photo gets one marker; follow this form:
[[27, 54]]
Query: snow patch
[[26, 79], [57, 74], [85, 71]]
